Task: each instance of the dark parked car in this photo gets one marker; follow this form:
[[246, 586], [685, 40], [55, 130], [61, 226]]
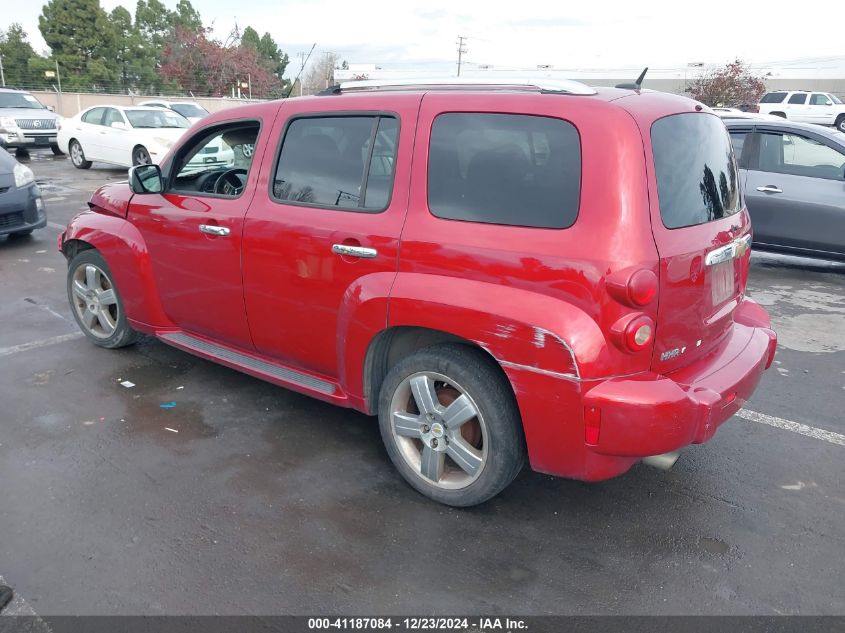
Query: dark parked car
[[21, 208], [794, 177]]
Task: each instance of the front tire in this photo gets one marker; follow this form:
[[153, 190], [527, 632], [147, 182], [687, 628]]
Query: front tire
[[451, 426], [77, 156], [140, 156], [96, 303], [840, 123], [57, 151]]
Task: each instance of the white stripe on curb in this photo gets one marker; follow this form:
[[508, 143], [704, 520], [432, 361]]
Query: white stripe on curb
[[8, 351], [795, 427]]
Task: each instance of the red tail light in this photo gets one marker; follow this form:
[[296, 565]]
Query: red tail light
[[634, 286], [642, 287], [633, 333]]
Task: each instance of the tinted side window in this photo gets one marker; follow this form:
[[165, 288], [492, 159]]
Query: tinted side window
[[334, 162], [696, 173], [798, 98], [94, 116], [800, 156], [773, 97], [504, 169], [819, 99], [738, 142]]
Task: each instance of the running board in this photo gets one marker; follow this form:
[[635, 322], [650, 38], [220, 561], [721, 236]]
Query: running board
[[247, 364]]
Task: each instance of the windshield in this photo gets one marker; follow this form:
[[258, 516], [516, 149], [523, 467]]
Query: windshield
[[156, 118], [189, 109], [834, 98], [19, 100]]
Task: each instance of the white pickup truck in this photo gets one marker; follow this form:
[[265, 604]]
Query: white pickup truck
[[807, 107]]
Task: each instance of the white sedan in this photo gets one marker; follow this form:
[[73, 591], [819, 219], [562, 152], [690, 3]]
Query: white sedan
[[188, 109], [124, 136]]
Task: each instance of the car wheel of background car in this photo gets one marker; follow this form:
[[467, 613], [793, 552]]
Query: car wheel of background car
[[95, 302], [57, 150], [77, 156], [247, 149], [140, 156], [450, 424], [780, 114], [840, 123]]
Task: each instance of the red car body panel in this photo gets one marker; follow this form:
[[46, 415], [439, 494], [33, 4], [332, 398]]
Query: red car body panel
[[545, 304]]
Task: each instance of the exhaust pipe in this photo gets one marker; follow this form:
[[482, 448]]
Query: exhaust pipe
[[664, 461]]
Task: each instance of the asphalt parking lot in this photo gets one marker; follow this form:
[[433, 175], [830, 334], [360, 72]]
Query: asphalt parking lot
[[262, 501]]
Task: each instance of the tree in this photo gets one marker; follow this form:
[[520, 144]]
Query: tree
[[320, 74], [82, 41], [186, 17], [134, 58], [732, 85], [16, 51], [207, 67], [270, 55]]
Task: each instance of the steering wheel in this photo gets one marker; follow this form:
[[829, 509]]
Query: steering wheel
[[228, 183]]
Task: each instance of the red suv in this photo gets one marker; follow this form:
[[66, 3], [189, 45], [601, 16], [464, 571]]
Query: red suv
[[496, 271]]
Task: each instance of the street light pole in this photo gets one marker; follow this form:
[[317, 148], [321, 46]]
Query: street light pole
[[2, 76]]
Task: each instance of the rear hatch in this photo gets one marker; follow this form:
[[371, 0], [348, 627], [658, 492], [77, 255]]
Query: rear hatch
[[702, 232]]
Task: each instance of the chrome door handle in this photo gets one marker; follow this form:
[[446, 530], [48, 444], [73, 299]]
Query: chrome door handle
[[770, 189], [354, 251], [213, 229]]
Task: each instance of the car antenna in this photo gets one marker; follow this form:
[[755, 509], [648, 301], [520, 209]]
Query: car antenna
[[637, 84]]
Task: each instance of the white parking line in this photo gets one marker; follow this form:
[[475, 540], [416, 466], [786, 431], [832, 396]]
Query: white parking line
[[23, 347], [795, 427]]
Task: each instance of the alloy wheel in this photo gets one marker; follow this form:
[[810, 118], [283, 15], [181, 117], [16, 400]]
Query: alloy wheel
[[95, 300], [439, 430]]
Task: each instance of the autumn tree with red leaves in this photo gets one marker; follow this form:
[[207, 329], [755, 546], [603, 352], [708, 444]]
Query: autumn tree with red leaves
[[733, 85], [208, 68]]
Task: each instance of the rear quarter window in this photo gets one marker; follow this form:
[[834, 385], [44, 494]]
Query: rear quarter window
[[773, 97], [696, 172], [517, 170]]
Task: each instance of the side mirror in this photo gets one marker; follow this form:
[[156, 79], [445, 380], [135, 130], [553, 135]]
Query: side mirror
[[51, 108], [146, 179], [118, 125]]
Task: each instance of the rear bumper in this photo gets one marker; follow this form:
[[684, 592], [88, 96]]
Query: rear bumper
[[651, 414]]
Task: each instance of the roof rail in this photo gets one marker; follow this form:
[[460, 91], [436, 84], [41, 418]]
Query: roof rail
[[561, 86]]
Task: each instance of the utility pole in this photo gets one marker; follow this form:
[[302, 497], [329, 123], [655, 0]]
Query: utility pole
[[301, 68], [2, 76], [461, 50]]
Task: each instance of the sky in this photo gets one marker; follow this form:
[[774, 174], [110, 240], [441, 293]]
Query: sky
[[602, 34]]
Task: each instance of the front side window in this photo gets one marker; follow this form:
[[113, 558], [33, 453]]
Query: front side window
[[800, 156], [696, 173], [112, 116], [344, 162], [156, 119], [798, 99], [217, 162], [819, 99], [509, 169]]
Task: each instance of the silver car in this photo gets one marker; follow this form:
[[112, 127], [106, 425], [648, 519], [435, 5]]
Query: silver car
[[794, 181], [25, 123]]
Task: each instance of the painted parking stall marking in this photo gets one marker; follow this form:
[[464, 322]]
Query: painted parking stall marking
[[795, 427]]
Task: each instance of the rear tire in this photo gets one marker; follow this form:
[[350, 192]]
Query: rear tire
[[57, 151], [780, 114], [451, 426], [840, 123], [140, 156], [96, 303], [77, 156]]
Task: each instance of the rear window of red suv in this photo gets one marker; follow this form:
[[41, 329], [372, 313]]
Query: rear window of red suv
[[510, 169], [697, 180]]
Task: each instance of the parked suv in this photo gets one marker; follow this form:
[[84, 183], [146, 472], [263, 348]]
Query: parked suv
[[495, 271], [805, 107], [25, 123]]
